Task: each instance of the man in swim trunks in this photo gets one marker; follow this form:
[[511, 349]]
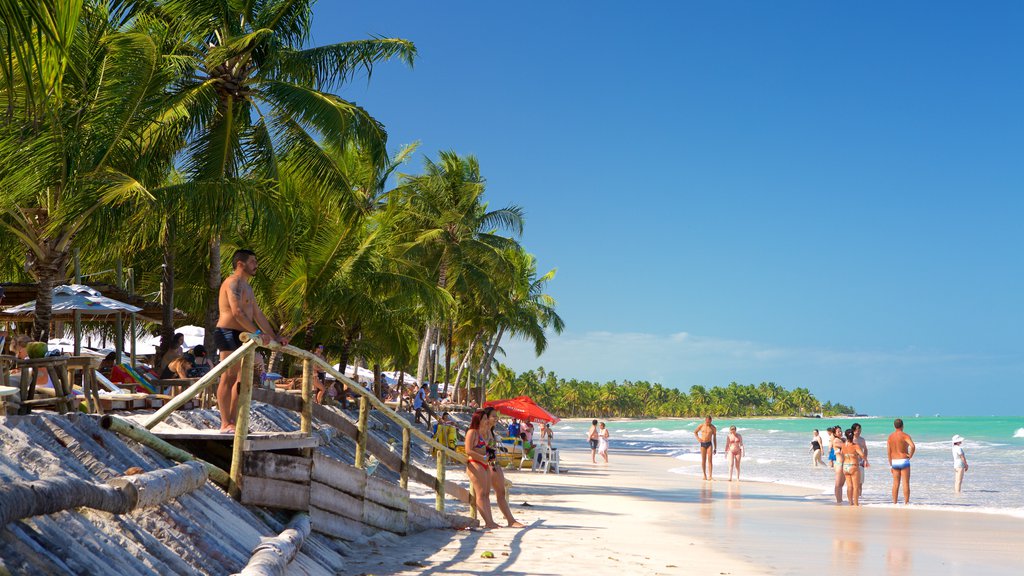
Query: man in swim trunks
[[901, 449], [707, 435], [592, 438], [238, 313]]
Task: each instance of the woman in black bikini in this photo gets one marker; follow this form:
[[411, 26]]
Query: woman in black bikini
[[478, 466]]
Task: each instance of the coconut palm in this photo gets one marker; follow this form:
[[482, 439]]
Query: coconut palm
[[67, 158], [451, 232], [256, 94]]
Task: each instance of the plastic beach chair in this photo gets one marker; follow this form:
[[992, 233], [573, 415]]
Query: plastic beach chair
[[548, 458]]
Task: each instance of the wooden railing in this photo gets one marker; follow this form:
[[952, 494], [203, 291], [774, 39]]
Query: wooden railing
[[245, 356]]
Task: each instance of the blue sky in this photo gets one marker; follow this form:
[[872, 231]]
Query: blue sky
[[818, 194]]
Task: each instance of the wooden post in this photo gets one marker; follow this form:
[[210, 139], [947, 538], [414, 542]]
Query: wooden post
[[439, 502], [77, 313], [364, 415], [306, 426], [241, 423], [119, 326], [404, 474]]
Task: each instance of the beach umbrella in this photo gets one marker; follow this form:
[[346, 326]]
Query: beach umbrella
[[523, 408], [69, 298]]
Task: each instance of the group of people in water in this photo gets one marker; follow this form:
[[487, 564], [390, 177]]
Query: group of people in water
[[848, 454]]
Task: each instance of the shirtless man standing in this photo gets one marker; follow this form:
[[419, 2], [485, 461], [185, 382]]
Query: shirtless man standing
[[592, 439], [901, 450], [238, 313], [707, 435]]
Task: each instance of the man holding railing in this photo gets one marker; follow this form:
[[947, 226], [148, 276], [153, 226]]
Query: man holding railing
[[238, 313]]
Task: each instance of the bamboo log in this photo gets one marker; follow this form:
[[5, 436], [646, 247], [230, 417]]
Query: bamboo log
[[159, 486], [20, 500], [241, 423], [145, 437], [364, 431], [272, 556], [201, 384]]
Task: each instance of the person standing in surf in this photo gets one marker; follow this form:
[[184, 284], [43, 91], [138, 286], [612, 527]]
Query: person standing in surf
[[901, 449], [707, 435]]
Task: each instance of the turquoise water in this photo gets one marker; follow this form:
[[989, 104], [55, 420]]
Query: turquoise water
[[778, 450]]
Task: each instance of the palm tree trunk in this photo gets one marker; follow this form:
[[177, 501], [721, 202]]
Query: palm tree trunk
[[465, 361], [167, 287], [448, 357], [424, 357], [378, 382], [431, 331], [213, 280], [489, 358], [48, 271]]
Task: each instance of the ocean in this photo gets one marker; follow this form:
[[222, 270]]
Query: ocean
[[778, 450]]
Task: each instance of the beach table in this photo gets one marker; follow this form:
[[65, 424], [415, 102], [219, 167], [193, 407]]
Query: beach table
[[57, 367], [87, 365], [6, 390]]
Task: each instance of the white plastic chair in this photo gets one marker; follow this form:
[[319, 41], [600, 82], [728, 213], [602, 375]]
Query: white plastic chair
[[548, 458]]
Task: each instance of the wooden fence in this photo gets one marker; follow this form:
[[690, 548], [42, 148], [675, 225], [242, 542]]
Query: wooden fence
[[306, 407]]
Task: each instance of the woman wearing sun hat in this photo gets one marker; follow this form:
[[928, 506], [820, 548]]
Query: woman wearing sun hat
[[959, 462]]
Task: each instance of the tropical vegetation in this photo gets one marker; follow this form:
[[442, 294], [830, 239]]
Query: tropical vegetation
[[641, 399], [158, 136]]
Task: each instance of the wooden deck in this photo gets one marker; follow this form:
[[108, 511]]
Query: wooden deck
[[255, 442]]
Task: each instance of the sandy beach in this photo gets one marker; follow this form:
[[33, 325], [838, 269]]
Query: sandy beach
[[634, 516]]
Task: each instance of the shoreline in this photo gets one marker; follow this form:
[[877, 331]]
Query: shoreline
[[635, 516]]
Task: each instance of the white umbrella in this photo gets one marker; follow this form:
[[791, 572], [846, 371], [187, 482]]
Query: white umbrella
[[67, 298], [407, 380], [193, 335], [71, 298]]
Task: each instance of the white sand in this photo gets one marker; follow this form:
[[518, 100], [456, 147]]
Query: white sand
[[635, 517]]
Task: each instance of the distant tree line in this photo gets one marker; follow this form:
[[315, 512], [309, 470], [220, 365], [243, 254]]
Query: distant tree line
[[633, 399]]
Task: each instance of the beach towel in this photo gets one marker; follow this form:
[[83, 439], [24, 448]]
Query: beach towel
[[140, 380]]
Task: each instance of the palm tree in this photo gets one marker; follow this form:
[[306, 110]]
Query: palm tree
[[256, 94], [451, 231], [525, 310], [67, 158]]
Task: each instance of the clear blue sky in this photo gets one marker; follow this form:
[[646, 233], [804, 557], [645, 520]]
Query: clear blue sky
[[818, 194]]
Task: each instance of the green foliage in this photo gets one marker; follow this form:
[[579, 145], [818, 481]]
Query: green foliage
[[580, 399]]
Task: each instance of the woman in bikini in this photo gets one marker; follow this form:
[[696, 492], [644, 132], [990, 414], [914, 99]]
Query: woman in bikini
[[837, 446], [477, 466], [734, 451], [852, 456], [497, 474]]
